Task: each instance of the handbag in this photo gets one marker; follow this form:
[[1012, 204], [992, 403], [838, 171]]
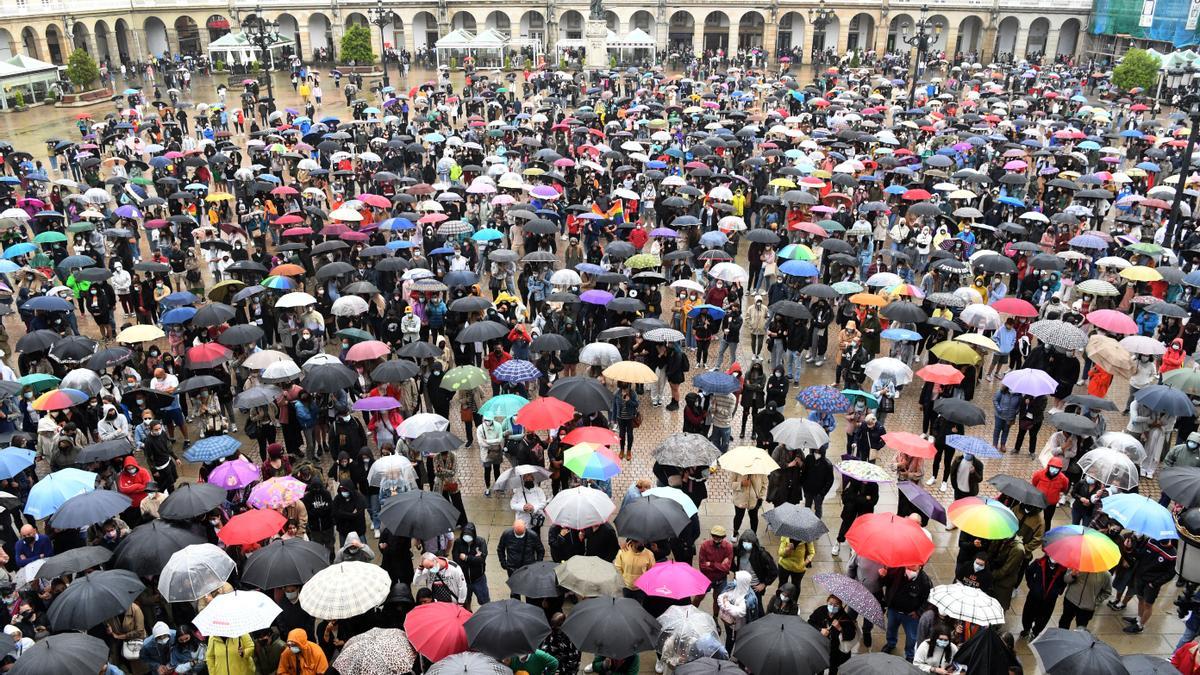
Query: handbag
[[131, 650], [252, 428], [536, 520], [466, 414], [887, 404], [450, 486], [637, 420]]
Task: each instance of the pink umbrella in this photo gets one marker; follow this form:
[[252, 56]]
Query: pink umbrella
[[503, 200], [673, 580], [1015, 165], [276, 493], [234, 474], [378, 201], [367, 350], [1031, 382], [376, 403], [297, 232], [1112, 321], [334, 229], [354, 236]]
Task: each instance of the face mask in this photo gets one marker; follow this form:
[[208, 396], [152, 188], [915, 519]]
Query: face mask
[[910, 574], [291, 595], [344, 494], [979, 567], [746, 546], [1192, 446], [943, 643], [295, 650], [29, 394], [1090, 480], [164, 640], [528, 485], [345, 418], [156, 432], [833, 609], [468, 538], [111, 416], [1052, 472]]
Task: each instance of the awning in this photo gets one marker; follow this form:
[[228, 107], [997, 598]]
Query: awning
[[219, 24], [456, 39]]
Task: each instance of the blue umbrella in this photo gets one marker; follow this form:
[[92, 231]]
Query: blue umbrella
[[1165, 399], [488, 234], [460, 278], [212, 448], [50, 492], [895, 189], [799, 268], [397, 224], [516, 370], [1149, 166], [1131, 133], [16, 250], [8, 267], [15, 460], [47, 303], [1012, 201], [589, 268], [1140, 514], [716, 382], [900, 335], [972, 446], [713, 311], [178, 316], [180, 298], [713, 239], [397, 244], [159, 162], [1088, 241], [130, 92], [442, 250]]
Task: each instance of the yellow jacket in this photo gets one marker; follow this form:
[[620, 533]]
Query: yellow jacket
[[632, 564], [796, 559], [230, 656]]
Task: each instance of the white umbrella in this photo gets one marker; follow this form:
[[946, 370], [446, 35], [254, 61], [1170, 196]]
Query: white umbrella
[[580, 507], [512, 478], [349, 305], [1110, 467], [280, 371], [345, 214], [422, 423], [295, 299], [884, 279], [798, 432], [235, 614], [900, 372], [730, 272], [565, 278], [96, 196], [345, 590], [18, 214], [600, 354], [687, 284], [193, 572], [1141, 344], [391, 465], [967, 604], [262, 359], [981, 316], [1123, 443]]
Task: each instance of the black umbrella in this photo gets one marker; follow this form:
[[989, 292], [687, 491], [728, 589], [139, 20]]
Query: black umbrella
[[435, 442], [613, 627], [63, 653], [89, 508], [73, 561], [1182, 484], [586, 394], [109, 357], [1144, 664], [90, 600], [904, 312], [73, 348], [148, 547], [651, 519], [395, 371], [328, 378], [837, 246], [778, 644], [995, 264], [141, 399], [190, 500], [213, 314], [37, 341], [877, 663], [1073, 424], [819, 291], [197, 383], [241, 334], [1019, 489], [470, 303], [709, 666], [791, 309], [481, 331], [1076, 652], [102, 452], [762, 236], [625, 305], [505, 628], [418, 514], [959, 411], [796, 523], [334, 269], [1090, 402], [537, 580], [1165, 399], [549, 342], [286, 562], [419, 350], [985, 654]]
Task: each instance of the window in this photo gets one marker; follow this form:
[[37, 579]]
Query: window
[[1147, 18]]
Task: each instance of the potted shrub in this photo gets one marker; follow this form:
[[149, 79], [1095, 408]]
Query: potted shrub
[[19, 100], [453, 63], [82, 70]]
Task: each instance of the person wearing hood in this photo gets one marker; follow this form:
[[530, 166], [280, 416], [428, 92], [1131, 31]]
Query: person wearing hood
[[737, 606], [1174, 357], [443, 577], [349, 510], [113, 425], [132, 483], [1046, 580], [1053, 483], [302, 656], [838, 626], [784, 601], [750, 556], [161, 457], [470, 553], [354, 549], [1185, 454]]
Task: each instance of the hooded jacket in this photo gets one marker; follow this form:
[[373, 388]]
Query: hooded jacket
[[349, 512], [133, 486], [738, 605], [470, 556], [1174, 356], [761, 562], [309, 661], [1184, 454]]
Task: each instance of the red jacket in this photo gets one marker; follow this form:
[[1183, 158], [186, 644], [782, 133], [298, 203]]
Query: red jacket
[[1186, 660], [1052, 488], [494, 361], [133, 486], [716, 559]]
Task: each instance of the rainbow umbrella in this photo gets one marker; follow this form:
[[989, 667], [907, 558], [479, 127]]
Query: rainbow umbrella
[[59, 399], [279, 283], [983, 517], [592, 461], [277, 492], [1081, 548]]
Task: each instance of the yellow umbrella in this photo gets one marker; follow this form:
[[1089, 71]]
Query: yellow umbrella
[[822, 173], [782, 183], [222, 290], [978, 340], [958, 353], [868, 299], [633, 372], [533, 171], [219, 197], [1141, 273], [748, 461], [140, 333]]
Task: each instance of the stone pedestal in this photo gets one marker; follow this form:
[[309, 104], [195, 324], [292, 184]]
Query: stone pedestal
[[595, 39]]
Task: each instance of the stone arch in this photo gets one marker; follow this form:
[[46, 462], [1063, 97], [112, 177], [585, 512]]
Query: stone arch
[[289, 27], [218, 26], [357, 19], [424, 30], [30, 43], [103, 34], [970, 36], [498, 20], [1039, 33], [533, 26], [790, 37], [899, 28], [187, 34], [465, 21], [1006, 37], [320, 32], [570, 26], [828, 38], [681, 30], [56, 44], [939, 29], [751, 28], [643, 20], [716, 31], [80, 35], [156, 36], [393, 33], [860, 32], [612, 21], [8, 47], [121, 28], [1068, 38]]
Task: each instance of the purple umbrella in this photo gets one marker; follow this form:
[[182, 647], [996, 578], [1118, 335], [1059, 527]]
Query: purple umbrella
[[664, 232], [925, 502], [854, 594], [543, 192], [596, 297], [376, 404], [127, 211], [1030, 382], [234, 475]]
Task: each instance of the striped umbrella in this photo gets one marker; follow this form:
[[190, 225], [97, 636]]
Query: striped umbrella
[[516, 370]]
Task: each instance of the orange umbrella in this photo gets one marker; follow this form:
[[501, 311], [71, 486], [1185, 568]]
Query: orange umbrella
[[940, 373], [288, 270], [910, 444], [869, 299]]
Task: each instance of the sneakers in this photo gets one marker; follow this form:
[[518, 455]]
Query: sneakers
[[989, 377], [945, 486], [1133, 628], [836, 548], [587, 668], [1115, 606], [487, 492], [376, 531], [930, 480], [673, 405], [658, 666]]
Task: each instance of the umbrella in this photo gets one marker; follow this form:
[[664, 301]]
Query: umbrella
[[587, 395], [633, 372], [1162, 398], [63, 653], [512, 478], [287, 562], [969, 445], [878, 663], [193, 572], [418, 514], [1110, 467], [716, 382], [104, 451], [925, 502], [466, 663], [545, 413], [89, 508], [190, 500], [709, 665], [674, 580], [375, 652], [505, 628], [778, 644], [579, 507], [865, 472], [1019, 489], [422, 423], [436, 630], [959, 411], [1081, 548], [651, 519], [966, 604], [536, 580], [234, 474], [799, 433], [986, 653], [1140, 514], [232, 615], [909, 444], [1030, 381], [894, 368], [73, 561], [1058, 333], [89, 601], [588, 576], [984, 518], [212, 448], [1144, 664], [276, 493], [1075, 652], [49, 493], [823, 398], [611, 627], [796, 523], [854, 594], [748, 460], [250, 527], [1073, 423], [685, 449], [15, 460], [345, 590], [890, 540], [1181, 484], [148, 548]]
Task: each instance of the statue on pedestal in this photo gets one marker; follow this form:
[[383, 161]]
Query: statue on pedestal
[[597, 10]]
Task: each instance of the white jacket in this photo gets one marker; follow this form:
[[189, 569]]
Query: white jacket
[[445, 571]]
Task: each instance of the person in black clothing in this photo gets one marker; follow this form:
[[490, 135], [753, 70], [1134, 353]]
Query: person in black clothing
[[349, 510], [858, 498], [347, 433], [786, 485], [470, 552], [318, 503], [519, 548], [293, 615], [837, 625], [601, 541], [160, 457], [817, 479], [906, 590], [1046, 580], [764, 421], [974, 572]]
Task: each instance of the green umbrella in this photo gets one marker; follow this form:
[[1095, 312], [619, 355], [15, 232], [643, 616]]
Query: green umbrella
[[505, 405], [642, 261], [142, 180], [81, 227], [464, 378], [41, 382], [50, 237], [1186, 380], [355, 334], [871, 400]]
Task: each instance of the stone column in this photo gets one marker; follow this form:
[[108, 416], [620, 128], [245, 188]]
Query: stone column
[[1051, 45], [1021, 43], [114, 52], [735, 31], [770, 38], [843, 38], [698, 37], [661, 35], [882, 26], [949, 36]]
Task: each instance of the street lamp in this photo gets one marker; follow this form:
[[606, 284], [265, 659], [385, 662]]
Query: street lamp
[[819, 18], [382, 17], [924, 31], [263, 34], [1190, 103]]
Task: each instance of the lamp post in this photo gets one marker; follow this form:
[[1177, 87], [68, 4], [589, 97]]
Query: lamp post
[[819, 18], [1190, 103], [924, 32], [263, 34], [382, 17]]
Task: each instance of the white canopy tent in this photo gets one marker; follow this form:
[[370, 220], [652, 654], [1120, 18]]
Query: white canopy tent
[[621, 46], [236, 49], [488, 48], [455, 44], [33, 78]]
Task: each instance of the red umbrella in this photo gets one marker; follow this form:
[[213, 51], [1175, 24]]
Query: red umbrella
[[207, 355], [436, 630], [940, 373], [598, 435], [367, 350], [910, 444], [250, 527], [890, 540], [545, 413], [1015, 307]]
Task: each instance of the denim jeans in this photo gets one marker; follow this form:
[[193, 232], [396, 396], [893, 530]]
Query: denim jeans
[[373, 510], [727, 346], [478, 588], [1000, 432], [777, 354], [795, 365], [894, 621], [720, 438]]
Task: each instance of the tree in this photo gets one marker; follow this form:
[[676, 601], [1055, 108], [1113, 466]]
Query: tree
[[82, 70], [356, 45], [1138, 68]]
